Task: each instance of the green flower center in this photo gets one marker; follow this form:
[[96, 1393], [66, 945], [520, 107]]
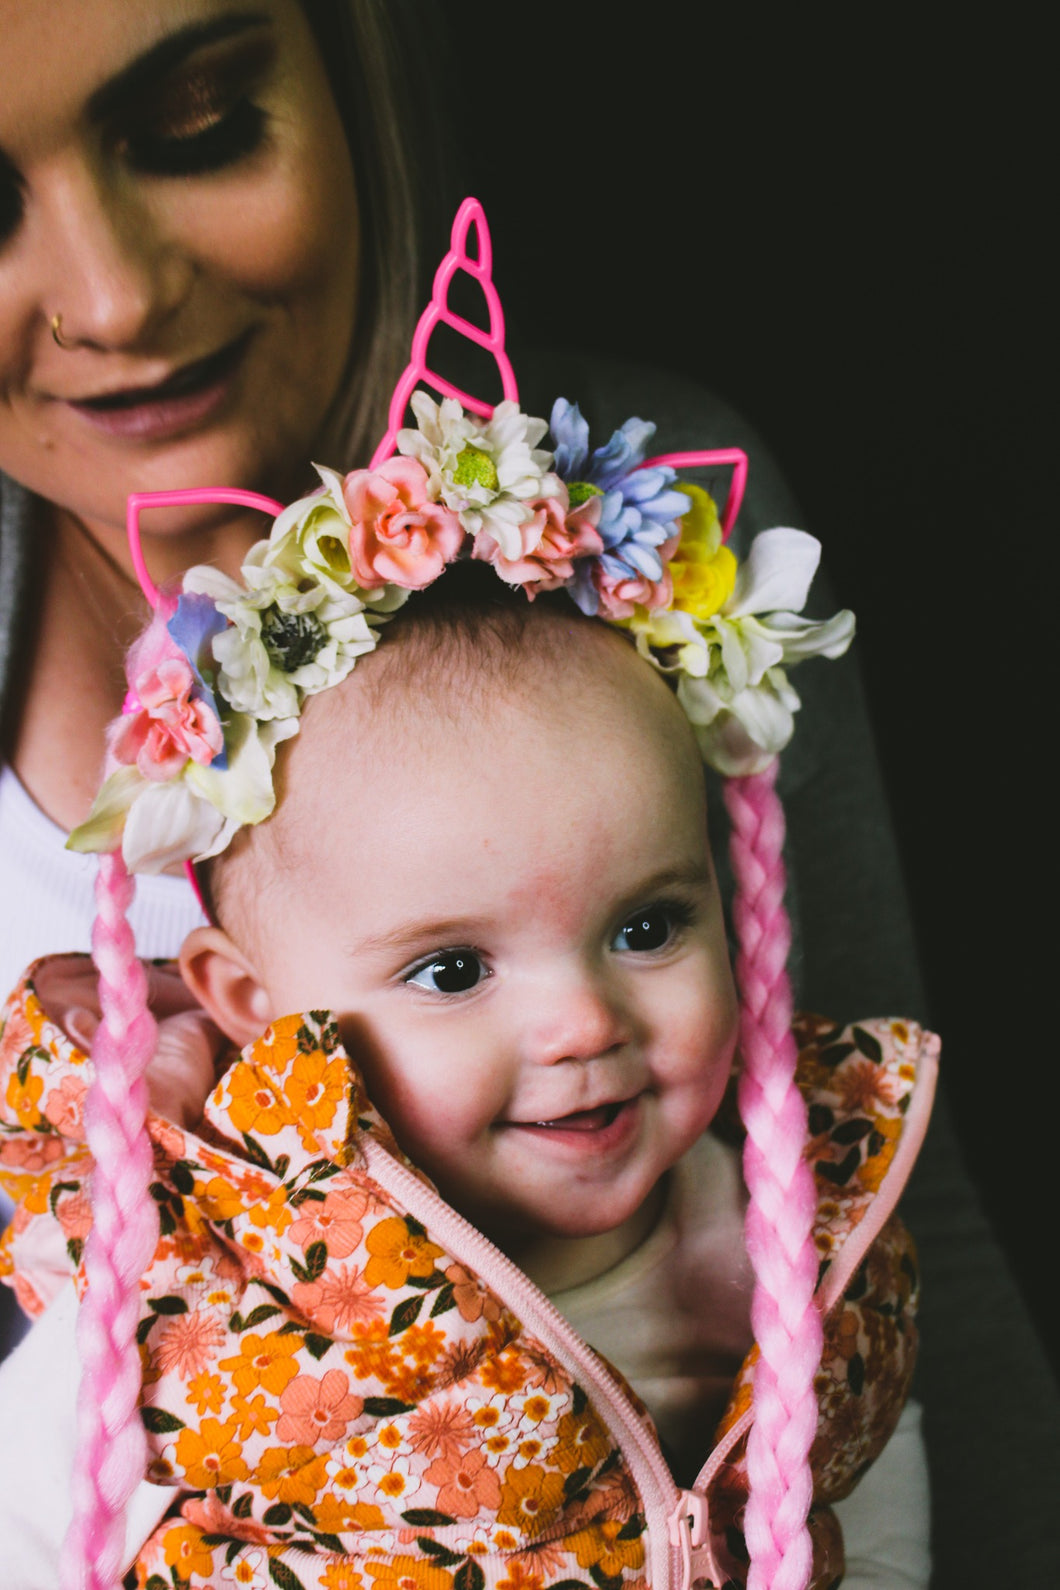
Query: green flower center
[[580, 491], [291, 639], [475, 468]]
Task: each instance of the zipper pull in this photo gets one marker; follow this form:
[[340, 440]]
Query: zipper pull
[[689, 1525]]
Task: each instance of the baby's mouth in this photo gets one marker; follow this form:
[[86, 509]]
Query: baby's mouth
[[585, 1120]]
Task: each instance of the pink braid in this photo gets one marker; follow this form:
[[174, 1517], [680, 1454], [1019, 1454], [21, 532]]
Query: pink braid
[[783, 1201], [112, 1450]]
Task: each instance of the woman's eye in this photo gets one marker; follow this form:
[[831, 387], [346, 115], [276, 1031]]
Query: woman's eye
[[452, 972], [10, 200], [650, 929], [190, 146]]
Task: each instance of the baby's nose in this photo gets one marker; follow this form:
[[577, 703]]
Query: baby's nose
[[577, 1019]]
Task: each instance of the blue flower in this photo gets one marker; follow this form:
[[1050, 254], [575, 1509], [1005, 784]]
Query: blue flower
[[193, 627], [639, 509]]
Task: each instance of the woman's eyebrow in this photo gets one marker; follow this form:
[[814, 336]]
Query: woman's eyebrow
[[167, 53]]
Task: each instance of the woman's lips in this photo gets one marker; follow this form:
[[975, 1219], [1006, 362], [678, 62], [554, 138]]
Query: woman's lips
[[177, 404], [601, 1130]]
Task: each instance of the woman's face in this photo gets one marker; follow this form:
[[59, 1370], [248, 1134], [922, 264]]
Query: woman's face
[[175, 184]]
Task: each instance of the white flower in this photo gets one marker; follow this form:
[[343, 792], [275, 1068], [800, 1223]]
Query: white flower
[[289, 636], [312, 536], [487, 471], [733, 686]]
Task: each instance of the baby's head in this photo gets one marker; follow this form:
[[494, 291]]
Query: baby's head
[[489, 858]]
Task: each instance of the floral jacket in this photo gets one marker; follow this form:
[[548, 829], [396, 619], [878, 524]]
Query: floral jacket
[[354, 1390]]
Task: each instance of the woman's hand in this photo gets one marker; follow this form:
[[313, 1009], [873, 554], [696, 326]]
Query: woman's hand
[[184, 1069]]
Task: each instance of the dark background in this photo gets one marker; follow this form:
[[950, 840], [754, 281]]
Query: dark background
[[839, 227]]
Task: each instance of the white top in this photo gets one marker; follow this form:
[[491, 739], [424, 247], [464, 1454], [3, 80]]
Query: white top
[[47, 904], [48, 893]]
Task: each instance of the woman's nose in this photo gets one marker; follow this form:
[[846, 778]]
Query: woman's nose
[[578, 1017], [110, 274]]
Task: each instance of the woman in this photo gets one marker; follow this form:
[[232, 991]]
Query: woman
[[207, 237]]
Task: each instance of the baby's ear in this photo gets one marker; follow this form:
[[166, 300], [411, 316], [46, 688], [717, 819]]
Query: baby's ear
[[226, 984]]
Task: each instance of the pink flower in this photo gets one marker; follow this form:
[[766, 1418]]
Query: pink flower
[[336, 1221], [397, 534], [317, 1410], [74, 1214], [339, 1300], [31, 1153], [465, 1487], [551, 540], [620, 595], [186, 1343], [442, 1430], [169, 726], [65, 1107]]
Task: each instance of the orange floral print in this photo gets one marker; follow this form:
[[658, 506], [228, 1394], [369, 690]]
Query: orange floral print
[[409, 1573], [314, 1087], [530, 1498], [186, 1551], [211, 1455], [599, 1547], [252, 1102], [442, 1430], [206, 1393], [397, 1254], [265, 1361], [292, 1474]]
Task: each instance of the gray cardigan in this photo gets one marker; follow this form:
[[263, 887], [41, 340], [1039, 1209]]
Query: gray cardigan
[[992, 1411]]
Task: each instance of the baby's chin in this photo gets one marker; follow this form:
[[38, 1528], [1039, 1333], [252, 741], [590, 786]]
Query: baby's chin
[[566, 1248]]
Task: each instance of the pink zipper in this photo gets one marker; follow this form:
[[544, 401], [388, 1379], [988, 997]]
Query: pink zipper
[[678, 1547]]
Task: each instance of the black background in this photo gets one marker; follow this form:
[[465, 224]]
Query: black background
[[837, 221]]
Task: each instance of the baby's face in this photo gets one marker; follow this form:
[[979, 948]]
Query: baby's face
[[513, 912]]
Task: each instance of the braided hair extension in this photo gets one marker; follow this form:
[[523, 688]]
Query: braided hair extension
[[111, 1442], [779, 1223]]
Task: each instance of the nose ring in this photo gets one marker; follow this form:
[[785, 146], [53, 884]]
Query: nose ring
[[57, 332]]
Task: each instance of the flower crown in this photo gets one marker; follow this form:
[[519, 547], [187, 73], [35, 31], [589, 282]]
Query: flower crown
[[218, 679]]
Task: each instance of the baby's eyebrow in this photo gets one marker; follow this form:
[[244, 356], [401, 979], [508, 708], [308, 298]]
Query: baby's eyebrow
[[427, 932]]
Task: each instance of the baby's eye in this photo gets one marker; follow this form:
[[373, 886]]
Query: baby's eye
[[649, 929], [451, 972]]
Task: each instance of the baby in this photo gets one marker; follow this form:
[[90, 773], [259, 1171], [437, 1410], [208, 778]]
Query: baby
[[476, 963]]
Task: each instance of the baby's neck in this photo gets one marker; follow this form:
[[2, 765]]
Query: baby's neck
[[555, 1264]]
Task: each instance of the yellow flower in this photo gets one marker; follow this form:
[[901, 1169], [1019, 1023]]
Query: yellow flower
[[599, 1546], [314, 1087], [211, 1455], [292, 1474], [24, 1097], [265, 1361], [254, 1107], [702, 569], [529, 1498], [186, 1552], [409, 1573], [397, 1254]]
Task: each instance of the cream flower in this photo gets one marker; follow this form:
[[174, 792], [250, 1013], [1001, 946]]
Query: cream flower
[[288, 637], [312, 536], [733, 686], [487, 471]]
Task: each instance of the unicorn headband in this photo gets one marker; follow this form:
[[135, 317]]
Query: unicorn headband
[[219, 678]]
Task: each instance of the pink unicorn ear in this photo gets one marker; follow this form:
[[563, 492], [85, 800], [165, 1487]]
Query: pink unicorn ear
[[470, 215], [706, 459], [138, 500]]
